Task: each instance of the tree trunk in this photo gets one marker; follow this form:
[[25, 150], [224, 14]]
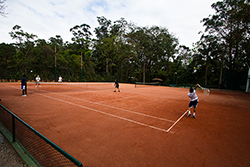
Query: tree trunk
[[206, 74], [144, 64], [107, 69], [207, 65], [221, 73]]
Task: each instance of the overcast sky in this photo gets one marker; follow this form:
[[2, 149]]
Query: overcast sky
[[48, 18]]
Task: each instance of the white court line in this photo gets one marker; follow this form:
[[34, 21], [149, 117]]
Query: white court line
[[119, 99], [145, 115], [177, 121], [139, 123], [112, 115]]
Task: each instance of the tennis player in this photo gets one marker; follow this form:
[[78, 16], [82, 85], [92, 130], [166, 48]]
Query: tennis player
[[116, 85], [193, 100], [24, 86], [38, 80], [60, 79]]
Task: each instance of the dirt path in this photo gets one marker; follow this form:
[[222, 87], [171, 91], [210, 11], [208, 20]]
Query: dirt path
[[8, 155]]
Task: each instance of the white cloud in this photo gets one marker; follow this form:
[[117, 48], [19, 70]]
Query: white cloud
[[48, 18]]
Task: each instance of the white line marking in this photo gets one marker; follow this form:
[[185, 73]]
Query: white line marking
[[177, 121], [139, 123], [118, 99], [145, 115], [129, 120]]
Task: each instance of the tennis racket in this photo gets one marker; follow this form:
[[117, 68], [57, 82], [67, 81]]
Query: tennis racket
[[206, 91]]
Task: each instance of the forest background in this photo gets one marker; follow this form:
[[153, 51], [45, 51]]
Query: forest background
[[128, 53]]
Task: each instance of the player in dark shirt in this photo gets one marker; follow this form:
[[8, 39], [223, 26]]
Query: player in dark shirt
[[116, 86], [24, 86]]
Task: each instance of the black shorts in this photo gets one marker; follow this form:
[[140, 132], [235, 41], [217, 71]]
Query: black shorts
[[193, 103]]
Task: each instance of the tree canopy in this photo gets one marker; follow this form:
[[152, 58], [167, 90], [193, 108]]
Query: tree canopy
[[129, 53]]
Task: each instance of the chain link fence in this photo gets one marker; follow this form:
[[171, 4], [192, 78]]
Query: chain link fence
[[41, 150]]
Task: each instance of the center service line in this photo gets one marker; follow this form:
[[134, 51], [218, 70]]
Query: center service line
[[177, 121]]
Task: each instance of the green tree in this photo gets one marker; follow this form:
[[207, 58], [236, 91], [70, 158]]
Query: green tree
[[57, 44], [184, 55], [7, 61], [103, 31], [82, 40], [24, 43], [104, 45], [154, 47], [42, 62], [228, 32], [121, 65], [230, 26], [82, 36]]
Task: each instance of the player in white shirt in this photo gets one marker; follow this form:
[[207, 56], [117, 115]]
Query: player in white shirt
[[60, 79], [38, 81], [193, 100]]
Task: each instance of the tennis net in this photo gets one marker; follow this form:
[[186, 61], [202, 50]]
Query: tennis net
[[145, 84], [76, 87]]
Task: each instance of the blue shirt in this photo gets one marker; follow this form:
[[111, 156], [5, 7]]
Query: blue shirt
[[23, 82]]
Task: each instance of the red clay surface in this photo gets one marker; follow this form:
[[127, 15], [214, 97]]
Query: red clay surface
[[137, 126]]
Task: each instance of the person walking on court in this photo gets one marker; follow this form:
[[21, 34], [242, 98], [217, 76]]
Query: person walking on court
[[193, 100], [24, 86], [116, 86], [38, 81]]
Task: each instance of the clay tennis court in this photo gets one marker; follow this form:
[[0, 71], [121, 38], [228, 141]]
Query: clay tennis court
[[142, 126]]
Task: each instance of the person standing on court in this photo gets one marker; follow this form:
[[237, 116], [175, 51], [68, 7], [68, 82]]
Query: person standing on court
[[60, 79], [193, 100], [24, 86], [116, 86], [38, 80]]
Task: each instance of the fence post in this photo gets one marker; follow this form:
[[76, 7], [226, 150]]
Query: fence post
[[13, 129]]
